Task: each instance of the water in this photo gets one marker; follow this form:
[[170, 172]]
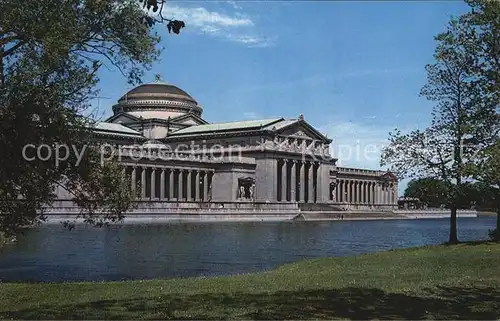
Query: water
[[53, 254]]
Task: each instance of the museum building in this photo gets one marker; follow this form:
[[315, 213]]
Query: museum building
[[177, 156]]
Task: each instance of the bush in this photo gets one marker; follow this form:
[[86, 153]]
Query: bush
[[494, 235], [6, 240]]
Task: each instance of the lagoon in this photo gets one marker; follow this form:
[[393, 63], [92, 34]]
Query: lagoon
[[51, 253]]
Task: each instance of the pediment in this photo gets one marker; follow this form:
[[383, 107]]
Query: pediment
[[302, 130], [122, 118], [189, 119]]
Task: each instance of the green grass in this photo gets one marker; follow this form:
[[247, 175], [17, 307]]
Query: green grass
[[486, 213], [436, 282]]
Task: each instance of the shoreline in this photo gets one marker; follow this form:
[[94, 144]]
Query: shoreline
[[242, 217]]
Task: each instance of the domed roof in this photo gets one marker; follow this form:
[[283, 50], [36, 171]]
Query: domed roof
[[158, 90], [157, 100]]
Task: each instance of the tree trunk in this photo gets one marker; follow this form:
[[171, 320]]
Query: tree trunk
[[453, 225], [497, 234], [1, 68]]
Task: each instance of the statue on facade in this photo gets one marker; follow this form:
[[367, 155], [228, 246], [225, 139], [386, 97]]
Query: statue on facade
[[326, 150], [285, 144], [242, 192], [276, 142], [334, 191]]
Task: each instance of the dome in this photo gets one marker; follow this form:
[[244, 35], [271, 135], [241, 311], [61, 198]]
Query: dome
[[157, 100]]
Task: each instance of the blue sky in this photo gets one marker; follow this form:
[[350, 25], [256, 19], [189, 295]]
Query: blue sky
[[354, 69]]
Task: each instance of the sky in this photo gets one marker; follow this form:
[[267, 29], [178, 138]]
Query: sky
[[353, 69]]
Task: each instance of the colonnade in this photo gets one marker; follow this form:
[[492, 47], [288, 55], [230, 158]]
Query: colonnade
[[297, 181], [364, 192], [173, 184]]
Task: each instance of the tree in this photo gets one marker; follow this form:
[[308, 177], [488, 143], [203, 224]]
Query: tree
[[461, 120], [431, 191], [156, 6], [484, 36], [483, 32], [487, 170], [434, 193], [50, 54]]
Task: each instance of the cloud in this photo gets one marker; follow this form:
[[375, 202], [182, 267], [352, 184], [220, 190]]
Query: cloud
[[359, 145], [331, 78], [201, 17], [252, 115], [234, 5], [356, 144], [236, 28]]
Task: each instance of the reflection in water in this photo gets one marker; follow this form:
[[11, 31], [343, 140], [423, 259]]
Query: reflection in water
[[52, 253]]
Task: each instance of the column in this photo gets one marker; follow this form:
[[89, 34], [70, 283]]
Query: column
[[310, 181], [205, 186], [189, 187], [324, 172], [365, 193], [354, 191], [197, 186], [133, 179], [337, 191], [153, 183], [302, 165], [343, 196], [293, 182], [143, 183], [360, 191], [369, 193], [344, 190], [340, 188], [360, 188], [180, 186], [348, 191], [162, 184], [171, 184], [283, 181], [374, 194]]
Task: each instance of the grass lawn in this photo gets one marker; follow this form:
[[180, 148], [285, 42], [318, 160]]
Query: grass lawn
[[486, 213], [435, 282]]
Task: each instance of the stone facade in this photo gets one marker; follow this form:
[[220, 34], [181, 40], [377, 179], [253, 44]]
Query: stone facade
[[173, 155]]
